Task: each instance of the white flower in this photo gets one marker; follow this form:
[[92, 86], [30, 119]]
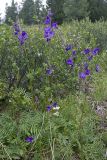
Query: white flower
[[56, 114], [56, 108]]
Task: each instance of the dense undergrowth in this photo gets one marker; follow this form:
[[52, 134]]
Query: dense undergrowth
[[35, 76]]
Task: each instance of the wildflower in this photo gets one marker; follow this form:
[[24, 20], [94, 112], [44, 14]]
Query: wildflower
[[49, 71], [87, 72], [29, 139], [97, 68], [87, 50], [85, 65], [55, 25], [95, 51], [69, 61], [68, 47], [90, 57], [56, 108], [16, 28], [82, 75], [49, 108], [56, 114], [48, 33], [74, 52], [55, 104], [50, 14], [22, 37], [48, 20]]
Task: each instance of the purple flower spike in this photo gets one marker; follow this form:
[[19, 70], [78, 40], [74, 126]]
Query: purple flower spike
[[49, 108], [95, 51], [69, 62], [82, 75], [97, 68], [29, 139], [87, 50], [87, 72], [68, 47]]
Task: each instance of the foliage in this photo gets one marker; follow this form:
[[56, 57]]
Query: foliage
[[75, 9], [28, 11], [97, 9], [35, 75], [11, 12], [40, 11], [72, 133], [56, 7]]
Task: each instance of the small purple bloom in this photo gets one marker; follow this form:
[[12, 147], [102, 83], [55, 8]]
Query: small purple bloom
[[68, 47], [48, 33], [87, 72], [90, 57], [16, 28], [29, 139], [55, 104], [48, 20], [95, 51], [22, 37], [74, 52], [49, 71], [69, 62], [49, 108], [87, 50], [82, 75], [50, 13], [55, 25], [47, 29], [97, 68], [85, 65], [16, 33]]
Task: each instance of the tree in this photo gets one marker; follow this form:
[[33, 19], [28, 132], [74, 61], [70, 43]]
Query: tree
[[11, 12], [38, 7], [28, 11], [98, 9], [56, 7], [76, 9]]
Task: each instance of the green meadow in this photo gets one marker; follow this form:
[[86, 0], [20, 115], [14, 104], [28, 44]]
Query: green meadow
[[35, 76]]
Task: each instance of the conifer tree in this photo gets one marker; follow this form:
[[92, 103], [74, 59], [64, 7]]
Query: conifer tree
[[28, 11], [56, 7], [76, 9], [11, 12]]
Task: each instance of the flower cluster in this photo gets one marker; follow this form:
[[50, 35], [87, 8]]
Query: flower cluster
[[22, 36], [49, 31], [29, 139], [90, 54], [54, 106]]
